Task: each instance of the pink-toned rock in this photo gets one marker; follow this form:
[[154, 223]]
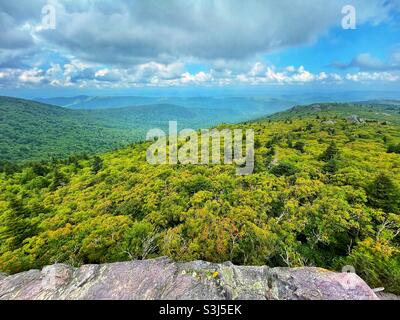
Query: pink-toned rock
[[163, 279]]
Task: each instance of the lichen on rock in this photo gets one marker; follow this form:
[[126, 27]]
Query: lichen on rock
[[163, 279]]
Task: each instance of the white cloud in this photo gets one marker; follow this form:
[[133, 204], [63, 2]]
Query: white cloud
[[367, 62], [123, 31], [82, 75], [33, 76], [157, 70], [290, 69], [373, 76], [336, 77], [123, 43], [289, 75], [199, 77]]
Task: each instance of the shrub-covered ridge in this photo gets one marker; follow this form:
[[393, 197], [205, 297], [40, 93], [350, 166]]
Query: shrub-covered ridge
[[325, 192]]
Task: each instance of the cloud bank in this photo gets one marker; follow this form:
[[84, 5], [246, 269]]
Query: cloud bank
[[110, 43]]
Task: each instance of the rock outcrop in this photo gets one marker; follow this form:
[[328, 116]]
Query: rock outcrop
[[355, 119], [167, 280]]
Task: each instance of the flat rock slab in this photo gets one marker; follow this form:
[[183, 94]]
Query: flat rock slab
[[163, 279]]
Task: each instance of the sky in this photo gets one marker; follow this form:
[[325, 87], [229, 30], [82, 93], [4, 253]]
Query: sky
[[65, 47]]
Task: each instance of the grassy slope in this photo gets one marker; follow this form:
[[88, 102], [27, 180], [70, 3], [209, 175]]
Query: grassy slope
[[127, 208]]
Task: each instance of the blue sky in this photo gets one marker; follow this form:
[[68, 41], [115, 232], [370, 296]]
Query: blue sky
[[137, 47], [341, 45]]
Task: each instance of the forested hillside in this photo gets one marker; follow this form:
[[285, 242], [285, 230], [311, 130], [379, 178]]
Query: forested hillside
[[369, 111], [325, 192], [36, 131], [32, 131]]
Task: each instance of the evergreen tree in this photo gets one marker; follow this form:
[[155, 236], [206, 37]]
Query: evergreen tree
[[384, 194], [97, 164], [284, 169], [332, 166], [300, 146], [394, 148], [58, 180], [330, 153], [17, 226]]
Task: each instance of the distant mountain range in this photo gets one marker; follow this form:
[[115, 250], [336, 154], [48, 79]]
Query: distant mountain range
[[226, 109], [87, 102], [59, 127], [270, 102], [40, 130]]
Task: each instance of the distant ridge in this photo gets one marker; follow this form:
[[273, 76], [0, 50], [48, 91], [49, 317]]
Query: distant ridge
[[97, 102], [60, 127]]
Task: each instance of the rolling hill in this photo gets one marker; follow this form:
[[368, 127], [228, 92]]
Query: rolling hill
[[324, 192], [379, 110], [36, 131], [239, 104], [33, 131], [87, 102]]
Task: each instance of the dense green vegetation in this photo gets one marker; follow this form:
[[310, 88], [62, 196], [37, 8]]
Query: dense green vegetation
[[325, 192], [379, 111], [32, 131]]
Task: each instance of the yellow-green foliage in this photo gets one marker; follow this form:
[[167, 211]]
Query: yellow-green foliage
[[298, 207]]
